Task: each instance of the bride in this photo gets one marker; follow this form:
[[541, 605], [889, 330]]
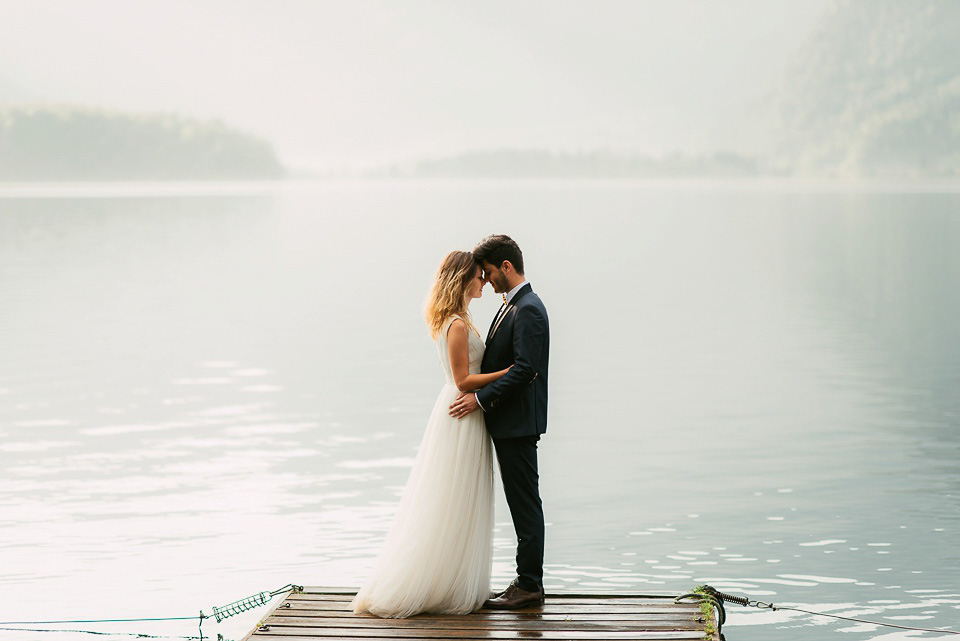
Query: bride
[[437, 554]]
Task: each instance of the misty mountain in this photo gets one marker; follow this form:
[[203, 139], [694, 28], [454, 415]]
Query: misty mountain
[[11, 91], [540, 163], [78, 143], [875, 91]]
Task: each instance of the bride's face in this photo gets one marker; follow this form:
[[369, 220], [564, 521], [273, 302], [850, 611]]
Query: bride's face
[[475, 288]]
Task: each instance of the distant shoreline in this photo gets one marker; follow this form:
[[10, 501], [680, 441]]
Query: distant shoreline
[[40, 142], [267, 187]]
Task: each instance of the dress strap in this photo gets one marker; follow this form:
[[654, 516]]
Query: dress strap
[[447, 323]]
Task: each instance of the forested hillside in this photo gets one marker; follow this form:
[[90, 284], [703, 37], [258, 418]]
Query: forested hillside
[[77, 143], [875, 91]]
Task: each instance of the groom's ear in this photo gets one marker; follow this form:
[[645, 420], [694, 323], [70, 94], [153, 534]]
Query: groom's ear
[[506, 266]]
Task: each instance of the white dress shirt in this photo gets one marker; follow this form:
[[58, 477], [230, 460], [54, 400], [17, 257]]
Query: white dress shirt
[[503, 310], [513, 292]]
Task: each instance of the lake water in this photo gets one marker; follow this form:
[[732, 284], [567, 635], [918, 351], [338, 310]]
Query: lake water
[[211, 390]]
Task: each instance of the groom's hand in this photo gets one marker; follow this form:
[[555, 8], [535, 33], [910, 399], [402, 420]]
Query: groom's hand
[[465, 403]]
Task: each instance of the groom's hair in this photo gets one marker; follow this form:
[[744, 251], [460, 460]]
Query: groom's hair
[[497, 248]]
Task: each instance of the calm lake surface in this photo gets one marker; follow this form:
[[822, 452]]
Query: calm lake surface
[[207, 391]]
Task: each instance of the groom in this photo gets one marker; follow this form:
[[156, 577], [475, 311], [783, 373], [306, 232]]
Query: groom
[[515, 408]]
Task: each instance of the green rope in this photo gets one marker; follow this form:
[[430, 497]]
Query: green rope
[[139, 635], [101, 620], [220, 613]]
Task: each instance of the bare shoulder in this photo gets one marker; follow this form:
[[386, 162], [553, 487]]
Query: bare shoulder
[[457, 327]]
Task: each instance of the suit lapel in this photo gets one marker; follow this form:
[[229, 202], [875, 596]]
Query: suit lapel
[[495, 322], [498, 319], [496, 325]]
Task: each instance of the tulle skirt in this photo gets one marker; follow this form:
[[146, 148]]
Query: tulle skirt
[[437, 554]]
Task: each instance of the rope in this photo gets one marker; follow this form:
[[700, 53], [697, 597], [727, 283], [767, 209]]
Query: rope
[[707, 594], [139, 635], [100, 620], [761, 604], [219, 613]]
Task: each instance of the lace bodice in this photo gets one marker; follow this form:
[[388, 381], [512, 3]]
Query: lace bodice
[[475, 347]]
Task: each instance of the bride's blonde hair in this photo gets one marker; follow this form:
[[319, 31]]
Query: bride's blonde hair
[[448, 295]]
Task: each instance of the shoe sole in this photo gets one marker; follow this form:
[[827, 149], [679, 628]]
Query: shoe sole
[[497, 606]]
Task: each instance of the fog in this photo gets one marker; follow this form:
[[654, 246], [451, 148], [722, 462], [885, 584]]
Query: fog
[[219, 221], [360, 83]]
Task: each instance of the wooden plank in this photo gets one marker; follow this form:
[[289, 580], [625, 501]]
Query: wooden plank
[[494, 614], [315, 589], [641, 636], [491, 616], [606, 594], [551, 598], [560, 598], [611, 594], [269, 613], [548, 608], [548, 635], [324, 614], [687, 623]]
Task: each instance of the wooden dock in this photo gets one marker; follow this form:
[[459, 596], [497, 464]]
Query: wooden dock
[[324, 613]]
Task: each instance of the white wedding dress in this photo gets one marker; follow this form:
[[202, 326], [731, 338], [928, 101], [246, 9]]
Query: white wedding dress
[[437, 554]]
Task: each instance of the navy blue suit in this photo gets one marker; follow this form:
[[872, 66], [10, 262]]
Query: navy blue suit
[[515, 409]]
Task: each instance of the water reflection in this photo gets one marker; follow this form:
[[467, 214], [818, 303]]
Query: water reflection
[[202, 398]]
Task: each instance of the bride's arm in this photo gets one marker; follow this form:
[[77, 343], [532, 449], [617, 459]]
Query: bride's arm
[[458, 351]]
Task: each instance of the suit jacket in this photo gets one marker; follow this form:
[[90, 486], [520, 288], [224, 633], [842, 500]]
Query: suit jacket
[[516, 404]]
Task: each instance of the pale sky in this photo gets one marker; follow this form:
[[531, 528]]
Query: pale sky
[[365, 81]]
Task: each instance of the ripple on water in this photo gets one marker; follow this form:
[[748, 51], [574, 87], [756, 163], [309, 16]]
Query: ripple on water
[[817, 579], [269, 428], [252, 371], [36, 446], [111, 430], [377, 463], [811, 544], [202, 380], [238, 409], [47, 422]]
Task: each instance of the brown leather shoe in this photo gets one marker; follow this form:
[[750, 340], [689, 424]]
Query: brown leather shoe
[[494, 595], [514, 598]]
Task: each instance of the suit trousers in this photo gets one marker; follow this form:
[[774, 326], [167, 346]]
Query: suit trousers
[[521, 485]]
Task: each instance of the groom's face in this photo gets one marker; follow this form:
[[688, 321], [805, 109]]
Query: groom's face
[[494, 276]]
